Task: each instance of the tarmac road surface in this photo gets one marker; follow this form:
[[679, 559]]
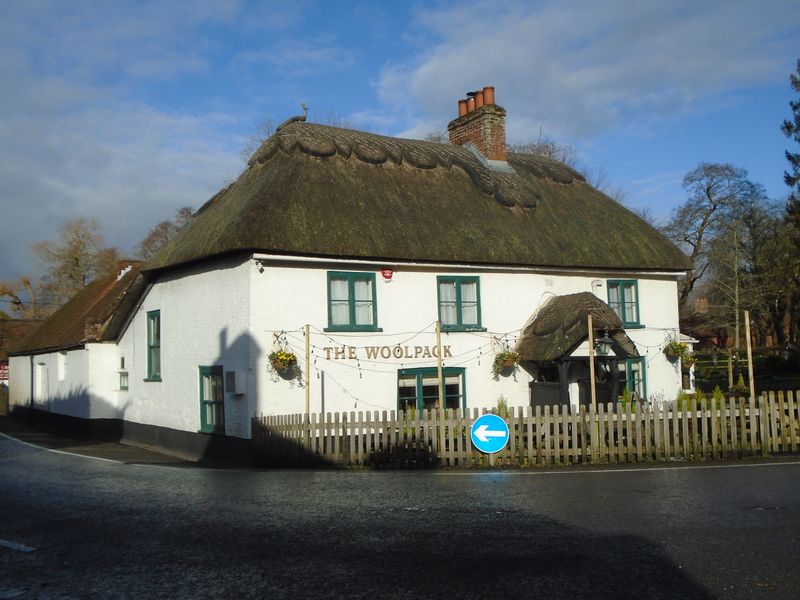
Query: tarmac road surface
[[80, 527]]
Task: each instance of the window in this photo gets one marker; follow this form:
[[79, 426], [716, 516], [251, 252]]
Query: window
[[623, 298], [351, 302], [212, 400], [632, 376], [459, 303], [123, 374], [419, 388], [62, 366], [154, 345], [41, 383]]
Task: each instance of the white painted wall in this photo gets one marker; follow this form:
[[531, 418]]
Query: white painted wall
[[285, 297], [60, 382], [229, 313], [204, 322]]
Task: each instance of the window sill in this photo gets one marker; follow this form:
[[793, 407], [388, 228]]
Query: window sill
[[152, 379], [457, 328], [347, 328], [633, 326]]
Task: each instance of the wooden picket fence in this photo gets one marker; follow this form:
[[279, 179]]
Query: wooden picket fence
[[557, 435]]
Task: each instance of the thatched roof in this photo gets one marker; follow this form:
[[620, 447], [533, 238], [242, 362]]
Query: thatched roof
[[92, 315], [561, 324], [329, 192]]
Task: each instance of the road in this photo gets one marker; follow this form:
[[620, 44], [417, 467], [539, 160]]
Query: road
[[97, 529]]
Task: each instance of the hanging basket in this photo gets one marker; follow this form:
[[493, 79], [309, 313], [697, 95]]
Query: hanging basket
[[282, 361], [675, 350], [504, 361]]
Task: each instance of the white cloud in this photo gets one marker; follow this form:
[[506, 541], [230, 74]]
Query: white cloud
[[127, 166], [583, 68], [78, 136], [291, 55]]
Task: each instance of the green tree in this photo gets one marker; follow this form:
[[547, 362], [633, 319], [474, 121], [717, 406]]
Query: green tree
[[745, 271], [791, 128]]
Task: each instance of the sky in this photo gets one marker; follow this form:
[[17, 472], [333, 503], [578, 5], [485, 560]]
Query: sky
[[125, 111]]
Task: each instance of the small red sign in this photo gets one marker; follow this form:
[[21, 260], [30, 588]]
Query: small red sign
[[3, 371]]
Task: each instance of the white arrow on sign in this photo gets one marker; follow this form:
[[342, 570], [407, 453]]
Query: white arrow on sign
[[483, 433]]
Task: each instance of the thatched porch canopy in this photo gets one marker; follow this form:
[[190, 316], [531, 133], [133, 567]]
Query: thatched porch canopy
[[561, 325]]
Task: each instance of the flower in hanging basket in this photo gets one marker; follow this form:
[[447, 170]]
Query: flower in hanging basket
[[505, 360], [282, 360], [675, 350], [688, 360]]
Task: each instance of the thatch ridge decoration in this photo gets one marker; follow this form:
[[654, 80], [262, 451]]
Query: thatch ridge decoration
[[315, 190]]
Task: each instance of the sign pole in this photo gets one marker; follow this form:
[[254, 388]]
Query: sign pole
[[591, 362], [308, 369], [749, 355], [439, 363], [596, 425]]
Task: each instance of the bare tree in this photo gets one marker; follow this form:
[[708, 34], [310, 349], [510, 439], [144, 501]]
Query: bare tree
[[596, 177], [22, 296], [162, 233], [438, 137], [264, 130], [713, 190], [77, 257]]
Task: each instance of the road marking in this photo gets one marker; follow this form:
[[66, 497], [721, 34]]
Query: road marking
[[122, 462], [530, 471], [24, 443], [15, 546], [601, 470]]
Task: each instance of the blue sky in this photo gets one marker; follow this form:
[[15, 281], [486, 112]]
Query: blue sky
[[125, 111]]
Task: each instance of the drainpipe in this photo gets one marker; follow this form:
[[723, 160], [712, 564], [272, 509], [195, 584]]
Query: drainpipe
[[30, 412]]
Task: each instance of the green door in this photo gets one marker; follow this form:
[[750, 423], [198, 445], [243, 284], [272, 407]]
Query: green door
[[212, 400]]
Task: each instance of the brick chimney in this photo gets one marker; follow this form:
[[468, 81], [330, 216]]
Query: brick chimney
[[481, 122]]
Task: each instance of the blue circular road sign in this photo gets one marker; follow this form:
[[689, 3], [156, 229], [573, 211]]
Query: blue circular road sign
[[489, 434]]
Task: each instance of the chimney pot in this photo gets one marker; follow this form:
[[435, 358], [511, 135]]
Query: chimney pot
[[485, 128]]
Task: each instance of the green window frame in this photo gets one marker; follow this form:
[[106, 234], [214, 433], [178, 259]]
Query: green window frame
[[153, 345], [352, 301], [459, 299], [633, 376], [212, 400], [419, 388], [623, 298]]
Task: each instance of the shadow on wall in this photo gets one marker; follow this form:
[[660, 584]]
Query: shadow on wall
[[234, 446], [54, 416]]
